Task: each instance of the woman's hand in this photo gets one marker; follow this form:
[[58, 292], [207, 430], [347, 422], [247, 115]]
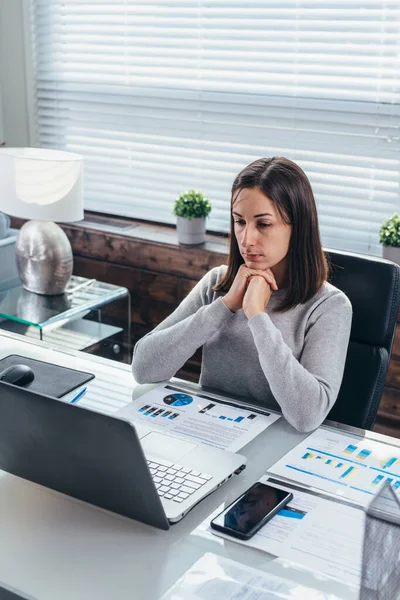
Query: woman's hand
[[234, 298], [257, 296]]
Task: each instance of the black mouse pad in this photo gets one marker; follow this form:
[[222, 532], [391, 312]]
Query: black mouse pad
[[8, 594], [51, 380]]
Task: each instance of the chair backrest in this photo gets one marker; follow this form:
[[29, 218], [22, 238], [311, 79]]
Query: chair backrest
[[373, 288]]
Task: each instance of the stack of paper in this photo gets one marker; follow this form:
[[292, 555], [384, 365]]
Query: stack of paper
[[321, 534], [214, 577]]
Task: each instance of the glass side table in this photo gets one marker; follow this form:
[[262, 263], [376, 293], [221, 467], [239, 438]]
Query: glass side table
[[91, 316]]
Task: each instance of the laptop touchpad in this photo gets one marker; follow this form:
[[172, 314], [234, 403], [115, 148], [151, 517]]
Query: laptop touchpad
[[165, 446], [141, 430]]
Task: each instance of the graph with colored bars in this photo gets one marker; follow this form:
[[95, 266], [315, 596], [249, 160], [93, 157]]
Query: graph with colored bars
[[379, 479], [361, 455], [154, 412], [385, 463], [353, 463], [215, 414], [348, 470]]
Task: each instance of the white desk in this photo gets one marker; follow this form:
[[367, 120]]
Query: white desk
[[53, 547]]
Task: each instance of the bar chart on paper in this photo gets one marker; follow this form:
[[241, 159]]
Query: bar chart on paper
[[154, 411], [343, 470], [226, 413], [338, 463]]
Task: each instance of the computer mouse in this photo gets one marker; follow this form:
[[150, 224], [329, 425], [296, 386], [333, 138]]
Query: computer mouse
[[18, 375]]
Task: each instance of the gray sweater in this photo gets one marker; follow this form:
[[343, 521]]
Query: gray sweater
[[291, 361]]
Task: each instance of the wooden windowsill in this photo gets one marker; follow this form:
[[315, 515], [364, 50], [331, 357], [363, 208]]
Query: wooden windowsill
[[157, 233], [147, 231]]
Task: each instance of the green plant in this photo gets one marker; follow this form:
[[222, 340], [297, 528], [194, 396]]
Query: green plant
[[192, 205], [389, 233]]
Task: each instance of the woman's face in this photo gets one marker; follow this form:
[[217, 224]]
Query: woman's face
[[262, 236]]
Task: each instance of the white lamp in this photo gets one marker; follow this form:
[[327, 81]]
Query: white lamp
[[44, 185]]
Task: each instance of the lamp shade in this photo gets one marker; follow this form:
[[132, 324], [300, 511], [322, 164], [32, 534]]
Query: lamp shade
[[41, 184]]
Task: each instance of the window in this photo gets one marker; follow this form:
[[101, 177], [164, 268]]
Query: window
[[165, 96]]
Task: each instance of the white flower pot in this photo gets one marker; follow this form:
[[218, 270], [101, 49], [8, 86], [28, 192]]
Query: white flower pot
[[392, 253], [191, 231]]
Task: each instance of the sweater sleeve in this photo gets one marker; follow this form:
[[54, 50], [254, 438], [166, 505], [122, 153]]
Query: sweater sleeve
[[306, 389], [163, 351]]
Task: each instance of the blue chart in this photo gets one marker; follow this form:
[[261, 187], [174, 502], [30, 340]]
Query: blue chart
[[154, 412], [363, 477], [213, 410], [334, 461], [291, 513], [345, 468], [178, 399]]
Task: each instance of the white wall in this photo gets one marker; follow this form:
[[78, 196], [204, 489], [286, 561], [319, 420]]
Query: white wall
[[13, 73]]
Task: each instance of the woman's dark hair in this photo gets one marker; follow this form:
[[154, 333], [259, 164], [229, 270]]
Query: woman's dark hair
[[288, 187]]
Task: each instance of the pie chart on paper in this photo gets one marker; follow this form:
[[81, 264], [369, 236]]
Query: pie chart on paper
[[178, 399]]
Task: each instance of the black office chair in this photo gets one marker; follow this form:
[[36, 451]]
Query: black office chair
[[373, 288]]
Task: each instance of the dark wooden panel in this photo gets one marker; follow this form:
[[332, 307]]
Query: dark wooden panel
[[191, 369], [185, 286], [393, 375], [387, 427], [396, 342], [390, 403], [143, 284], [138, 331], [149, 312], [183, 261]]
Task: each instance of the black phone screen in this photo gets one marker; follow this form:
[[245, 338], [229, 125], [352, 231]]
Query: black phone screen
[[251, 508]]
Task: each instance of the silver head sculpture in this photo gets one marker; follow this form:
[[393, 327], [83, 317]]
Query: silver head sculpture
[[44, 258]]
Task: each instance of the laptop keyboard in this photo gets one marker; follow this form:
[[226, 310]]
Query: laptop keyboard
[[174, 482]]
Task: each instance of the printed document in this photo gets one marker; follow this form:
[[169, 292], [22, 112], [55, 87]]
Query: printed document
[[223, 425], [320, 534], [214, 577], [342, 464]]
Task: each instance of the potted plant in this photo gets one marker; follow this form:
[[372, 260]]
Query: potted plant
[[191, 210], [389, 236]]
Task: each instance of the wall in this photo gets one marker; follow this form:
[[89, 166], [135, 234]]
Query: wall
[[13, 73]]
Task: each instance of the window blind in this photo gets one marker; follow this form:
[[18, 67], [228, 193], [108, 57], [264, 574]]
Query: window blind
[[168, 95]]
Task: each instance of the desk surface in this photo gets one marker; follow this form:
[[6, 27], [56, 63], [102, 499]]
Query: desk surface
[[54, 547]]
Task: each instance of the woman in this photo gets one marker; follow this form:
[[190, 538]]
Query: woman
[[273, 330]]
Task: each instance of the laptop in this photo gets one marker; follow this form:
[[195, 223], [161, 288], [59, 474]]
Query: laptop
[[107, 461]]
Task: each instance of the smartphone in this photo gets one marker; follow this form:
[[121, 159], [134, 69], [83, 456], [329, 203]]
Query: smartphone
[[244, 517]]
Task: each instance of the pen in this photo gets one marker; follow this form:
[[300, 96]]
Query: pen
[[78, 396]]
